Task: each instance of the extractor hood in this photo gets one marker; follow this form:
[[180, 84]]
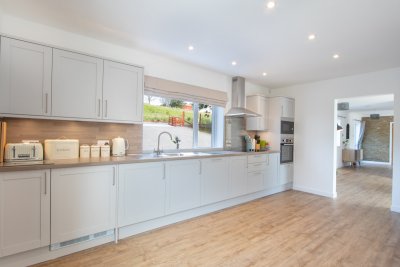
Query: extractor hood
[[238, 100]]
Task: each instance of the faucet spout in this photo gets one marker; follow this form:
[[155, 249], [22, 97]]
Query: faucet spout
[[158, 151]]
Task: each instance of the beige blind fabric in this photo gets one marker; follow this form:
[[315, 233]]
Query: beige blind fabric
[[182, 91]]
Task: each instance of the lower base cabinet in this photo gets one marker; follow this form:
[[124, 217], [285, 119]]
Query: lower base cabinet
[[285, 173], [215, 180], [183, 179], [238, 176], [24, 211], [272, 170], [255, 181], [82, 201], [141, 194]]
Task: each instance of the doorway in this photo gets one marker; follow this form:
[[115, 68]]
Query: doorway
[[364, 140]]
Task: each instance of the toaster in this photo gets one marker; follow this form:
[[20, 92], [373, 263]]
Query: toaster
[[23, 151]]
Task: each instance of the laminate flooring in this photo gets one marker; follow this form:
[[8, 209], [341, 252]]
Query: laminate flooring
[[285, 229]]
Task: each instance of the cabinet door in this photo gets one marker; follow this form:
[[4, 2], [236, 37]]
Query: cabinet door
[[285, 173], [260, 105], [288, 108], [183, 185], [255, 181], [122, 92], [77, 85], [82, 202], [25, 78], [141, 193], [24, 211], [271, 175], [215, 180], [238, 176]]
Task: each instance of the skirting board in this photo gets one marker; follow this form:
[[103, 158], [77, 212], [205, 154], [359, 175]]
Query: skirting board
[[315, 192], [142, 227], [395, 209]]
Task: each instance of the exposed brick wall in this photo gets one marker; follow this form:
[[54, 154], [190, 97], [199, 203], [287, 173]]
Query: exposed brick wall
[[376, 142]]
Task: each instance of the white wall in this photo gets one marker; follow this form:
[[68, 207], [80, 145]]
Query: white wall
[[315, 124]]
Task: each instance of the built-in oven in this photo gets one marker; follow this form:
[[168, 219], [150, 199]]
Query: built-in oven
[[287, 152], [287, 127]]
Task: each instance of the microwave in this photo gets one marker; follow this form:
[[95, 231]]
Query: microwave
[[287, 127]]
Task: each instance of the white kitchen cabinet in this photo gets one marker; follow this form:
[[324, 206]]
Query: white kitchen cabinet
[[82, 201], [24, 211], [272, 170], [238, 176], [25, 78], [122, 92], [281, 107], [77, 85], [260, 105], [256, 172], [183, 185], [215, 179], [141, 194], [285, 173]]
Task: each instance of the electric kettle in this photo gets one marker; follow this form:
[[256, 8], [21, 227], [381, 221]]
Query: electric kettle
[[119, 146]]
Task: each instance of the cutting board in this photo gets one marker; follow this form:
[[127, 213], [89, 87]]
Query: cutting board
[[3, 140]]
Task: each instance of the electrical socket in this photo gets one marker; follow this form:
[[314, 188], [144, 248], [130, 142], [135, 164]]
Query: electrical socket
[[103, 142]]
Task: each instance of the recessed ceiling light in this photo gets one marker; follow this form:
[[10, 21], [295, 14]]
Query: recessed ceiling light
[[190, 47], [335, 56], [234, 63], [270, 4], [311, 37], [264, 74]]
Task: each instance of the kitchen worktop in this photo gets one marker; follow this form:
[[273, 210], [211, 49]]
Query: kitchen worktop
[[131, 158]]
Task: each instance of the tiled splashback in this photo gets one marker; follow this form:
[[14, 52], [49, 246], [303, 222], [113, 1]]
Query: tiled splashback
[[86, 132]]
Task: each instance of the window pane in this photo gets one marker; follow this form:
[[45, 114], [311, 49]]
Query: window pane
[[173, 116], [205, 125]]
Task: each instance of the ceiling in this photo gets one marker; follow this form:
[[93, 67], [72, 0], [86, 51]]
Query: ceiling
[[365, 33], [370, 103]]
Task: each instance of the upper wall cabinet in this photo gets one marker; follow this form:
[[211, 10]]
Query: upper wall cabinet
[[281, 107], [258, 104], [77, 85], [25, 78], [122, 92]]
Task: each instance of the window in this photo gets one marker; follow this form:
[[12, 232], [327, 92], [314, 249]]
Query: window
[[197, 125]]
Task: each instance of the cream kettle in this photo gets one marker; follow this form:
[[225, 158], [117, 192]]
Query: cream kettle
[[119, 146]]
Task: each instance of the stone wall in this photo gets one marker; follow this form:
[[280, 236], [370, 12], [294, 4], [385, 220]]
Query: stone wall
[[376, 142]]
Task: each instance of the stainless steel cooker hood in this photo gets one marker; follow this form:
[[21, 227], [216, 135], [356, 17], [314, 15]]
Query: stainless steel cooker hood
[[238, 100]]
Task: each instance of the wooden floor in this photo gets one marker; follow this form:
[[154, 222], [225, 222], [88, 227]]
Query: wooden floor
[[286, 229]]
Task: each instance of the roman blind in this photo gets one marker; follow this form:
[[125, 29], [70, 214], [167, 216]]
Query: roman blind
[[175, 90]]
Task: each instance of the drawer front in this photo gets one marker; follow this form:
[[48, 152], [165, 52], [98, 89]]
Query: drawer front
[[253, 167], [257, 158]]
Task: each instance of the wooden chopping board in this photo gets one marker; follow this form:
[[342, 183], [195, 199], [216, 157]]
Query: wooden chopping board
[[3, 140]]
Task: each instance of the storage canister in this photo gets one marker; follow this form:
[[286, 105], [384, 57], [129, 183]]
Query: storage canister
[[105, 151], [84, 151], [95, 151]]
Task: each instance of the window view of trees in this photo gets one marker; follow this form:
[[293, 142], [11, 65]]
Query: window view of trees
[[177, 117]]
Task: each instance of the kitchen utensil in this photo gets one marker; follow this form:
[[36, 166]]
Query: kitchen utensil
[[61, 149], [23, 152], [105, 151], [3, 140], [84, 151], [95, 151], [119, 146]]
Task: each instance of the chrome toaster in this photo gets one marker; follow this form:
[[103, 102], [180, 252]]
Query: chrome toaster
[[23, 151]]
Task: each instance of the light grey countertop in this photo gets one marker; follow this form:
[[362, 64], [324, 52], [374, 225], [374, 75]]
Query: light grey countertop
[[131, 158]]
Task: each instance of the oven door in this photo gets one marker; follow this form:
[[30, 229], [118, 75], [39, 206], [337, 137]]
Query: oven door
[[286, 153], [287, 127]]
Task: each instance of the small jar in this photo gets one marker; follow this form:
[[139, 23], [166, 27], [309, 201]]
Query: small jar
[[95, 151], [84, 151], [105, 151]]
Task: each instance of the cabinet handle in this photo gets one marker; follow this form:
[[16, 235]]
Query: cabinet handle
[[200, 167], [217, 159], [163, 171], [98, 112], [46, 95], [45, 183], [106, 108], [113, 176]]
